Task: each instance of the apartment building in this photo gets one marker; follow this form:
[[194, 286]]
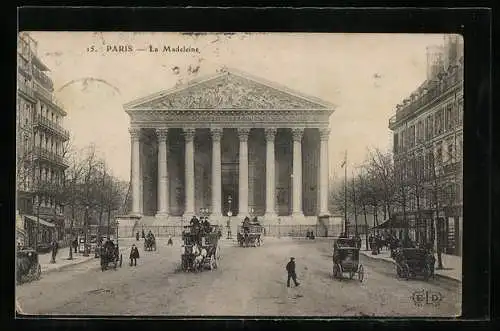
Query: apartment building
[[40, 138], [428, 140]]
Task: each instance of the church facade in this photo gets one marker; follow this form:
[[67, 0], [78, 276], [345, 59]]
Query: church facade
[[229, 143]]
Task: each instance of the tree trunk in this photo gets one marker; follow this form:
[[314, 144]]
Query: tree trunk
[[109, 220], [366, 227], [71, 232]]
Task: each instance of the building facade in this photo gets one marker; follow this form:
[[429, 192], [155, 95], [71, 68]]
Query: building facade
[[229, 143], [40, 147], [428, 142]]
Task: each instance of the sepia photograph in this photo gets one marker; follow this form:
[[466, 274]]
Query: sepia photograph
[[239, 174]]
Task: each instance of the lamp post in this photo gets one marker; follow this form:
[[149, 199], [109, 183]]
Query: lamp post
[[85, 249], [229, 214]]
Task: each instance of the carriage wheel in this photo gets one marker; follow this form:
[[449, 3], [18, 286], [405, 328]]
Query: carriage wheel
[[361, 273], [213, 263], [121, 260], [38, 273], [399, 271], [336, 271], [406, 271], [427, 273]]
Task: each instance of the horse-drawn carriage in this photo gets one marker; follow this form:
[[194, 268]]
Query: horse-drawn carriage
[[150, 243], [346, 259], [27, 266], [110, 254], [414, 262], [200, 248], [250, 234]]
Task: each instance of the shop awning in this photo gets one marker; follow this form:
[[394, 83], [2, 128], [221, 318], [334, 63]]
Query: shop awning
[[42, 221], [390, 224]]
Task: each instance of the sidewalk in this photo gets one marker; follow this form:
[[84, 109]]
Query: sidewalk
[[63, 254], [451, 263]]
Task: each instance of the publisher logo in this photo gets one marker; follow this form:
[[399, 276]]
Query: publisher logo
[[426, 297]]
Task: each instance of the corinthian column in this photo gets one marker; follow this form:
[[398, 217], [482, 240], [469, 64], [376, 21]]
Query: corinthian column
[[270, 175], [297, 172], [189, 137], [243, 179], [135, 173], [162, 173], [216, 173], [324, 134]]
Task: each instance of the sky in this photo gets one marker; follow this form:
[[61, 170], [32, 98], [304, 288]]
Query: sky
[[364, 75]]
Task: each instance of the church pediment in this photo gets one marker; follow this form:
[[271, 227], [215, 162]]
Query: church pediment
[[228, 91]]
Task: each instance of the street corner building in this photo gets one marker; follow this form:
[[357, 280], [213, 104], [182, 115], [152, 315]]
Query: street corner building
[[40, 136], [232, 144], [428, 143]]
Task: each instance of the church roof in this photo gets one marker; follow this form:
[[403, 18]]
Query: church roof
[[230, 89]]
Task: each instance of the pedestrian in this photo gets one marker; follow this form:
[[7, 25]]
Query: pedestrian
[[170, 242], [134, 255], [75, 244], [143, 234], [54, 247], [290, 268], [137, 236]]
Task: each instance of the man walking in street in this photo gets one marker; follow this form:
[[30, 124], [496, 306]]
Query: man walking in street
[[290, 268], [55, 247], [134, 255]]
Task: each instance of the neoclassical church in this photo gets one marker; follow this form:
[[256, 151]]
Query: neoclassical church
[[229, 143]]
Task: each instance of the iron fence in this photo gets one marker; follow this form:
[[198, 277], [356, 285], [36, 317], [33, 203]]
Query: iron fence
[[332, 230]]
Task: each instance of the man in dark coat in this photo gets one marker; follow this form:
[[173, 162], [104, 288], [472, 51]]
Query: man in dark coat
[[290, 269], [134, 255], [54, 248], [143, 234]]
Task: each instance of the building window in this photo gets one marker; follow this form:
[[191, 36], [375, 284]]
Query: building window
[[450, 151], [439, 153], [460, 111]]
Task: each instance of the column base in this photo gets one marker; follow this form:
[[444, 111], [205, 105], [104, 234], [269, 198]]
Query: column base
[[270, 217], [297, 214], [135, 214], [163, 216], [324, 213], [188, 215]]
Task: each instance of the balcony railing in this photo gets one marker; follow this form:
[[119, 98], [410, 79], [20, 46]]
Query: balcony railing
[[45, 154], [44, 80], [434, 90], [28, 90], [451, 167], [47, 95], [45, 122]]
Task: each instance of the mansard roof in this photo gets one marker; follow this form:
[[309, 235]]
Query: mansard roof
[[228, 90]]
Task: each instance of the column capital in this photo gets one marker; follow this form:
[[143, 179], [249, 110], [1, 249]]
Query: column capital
[[135, 133], [324, 133], [216, 134], [162, 134], [189, 134], [270, 133], [297, 134], [243, 134]]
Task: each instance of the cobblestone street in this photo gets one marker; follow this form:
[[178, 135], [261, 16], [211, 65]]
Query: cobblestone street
[[249, 281]]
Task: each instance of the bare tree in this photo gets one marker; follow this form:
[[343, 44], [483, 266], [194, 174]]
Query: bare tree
[[381, 169], [402, 190]]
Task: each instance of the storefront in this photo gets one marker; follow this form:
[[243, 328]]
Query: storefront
[[46, 231]]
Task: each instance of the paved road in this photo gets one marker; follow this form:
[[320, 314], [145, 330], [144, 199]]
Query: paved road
[[249, 281]]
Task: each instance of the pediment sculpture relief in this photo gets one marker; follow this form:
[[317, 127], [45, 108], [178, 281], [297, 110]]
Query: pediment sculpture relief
[[231, 92]]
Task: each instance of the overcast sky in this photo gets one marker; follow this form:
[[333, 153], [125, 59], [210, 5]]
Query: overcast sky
[[364, 75]]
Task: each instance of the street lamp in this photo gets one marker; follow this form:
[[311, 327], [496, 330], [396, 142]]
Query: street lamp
[[229, 214]]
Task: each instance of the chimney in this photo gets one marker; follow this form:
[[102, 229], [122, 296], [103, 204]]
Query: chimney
[[453, 44], [434, 61]]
